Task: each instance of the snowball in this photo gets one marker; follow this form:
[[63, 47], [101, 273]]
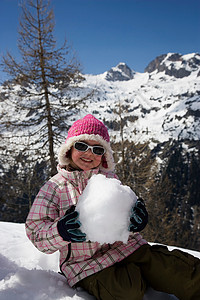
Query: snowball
[[104, 210]]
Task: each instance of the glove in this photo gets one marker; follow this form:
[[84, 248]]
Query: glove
[[68, 227], [139, 216]]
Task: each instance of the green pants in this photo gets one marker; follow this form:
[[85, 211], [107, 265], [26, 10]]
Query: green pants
[[173, 272]]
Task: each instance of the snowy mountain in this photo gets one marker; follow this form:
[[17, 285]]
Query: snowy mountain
[[174, 64], [26, 273], [161, 104]]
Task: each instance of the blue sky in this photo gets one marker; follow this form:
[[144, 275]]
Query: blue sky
[[106, 32]]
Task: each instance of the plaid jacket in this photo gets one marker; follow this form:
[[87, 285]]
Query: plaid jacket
[[77, 260]]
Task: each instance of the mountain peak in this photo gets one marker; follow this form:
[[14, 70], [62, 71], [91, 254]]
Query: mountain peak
[[175, 64], [120, 73]]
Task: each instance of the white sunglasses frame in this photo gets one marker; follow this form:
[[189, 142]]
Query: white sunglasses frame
[[90, 147]]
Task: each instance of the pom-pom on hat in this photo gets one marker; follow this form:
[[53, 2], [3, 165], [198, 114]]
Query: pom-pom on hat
[[88, 128]]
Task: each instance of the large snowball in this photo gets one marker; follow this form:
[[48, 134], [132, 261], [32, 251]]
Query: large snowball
[[104, 209]]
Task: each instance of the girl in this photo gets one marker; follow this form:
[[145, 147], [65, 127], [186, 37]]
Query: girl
[[108, 271]]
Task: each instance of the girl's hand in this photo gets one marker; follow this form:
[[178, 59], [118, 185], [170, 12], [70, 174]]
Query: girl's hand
[[139, 216], [69, 227]]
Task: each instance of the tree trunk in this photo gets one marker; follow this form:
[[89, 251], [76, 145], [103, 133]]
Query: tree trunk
[[47, 102]]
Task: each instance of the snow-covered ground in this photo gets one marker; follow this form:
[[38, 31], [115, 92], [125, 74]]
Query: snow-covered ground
[[26, 273]]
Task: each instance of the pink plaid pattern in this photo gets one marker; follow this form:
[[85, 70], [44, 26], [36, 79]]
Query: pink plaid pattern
[[51, 203]]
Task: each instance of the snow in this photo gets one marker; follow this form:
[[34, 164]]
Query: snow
[[26, 273], [190, 55], [105, 215]]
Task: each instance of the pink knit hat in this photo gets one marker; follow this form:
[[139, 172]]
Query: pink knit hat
[[88, 128]]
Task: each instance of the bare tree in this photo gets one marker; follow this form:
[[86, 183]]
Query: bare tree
[[40, 82]]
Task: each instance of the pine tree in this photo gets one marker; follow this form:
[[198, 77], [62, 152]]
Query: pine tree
[[173, 200]]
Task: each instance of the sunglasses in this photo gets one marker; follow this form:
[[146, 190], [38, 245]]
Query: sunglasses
[[83, 147]]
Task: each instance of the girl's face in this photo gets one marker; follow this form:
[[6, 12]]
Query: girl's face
[[86, 160]]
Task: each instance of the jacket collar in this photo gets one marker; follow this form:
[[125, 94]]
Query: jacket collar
[[76, 175]]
